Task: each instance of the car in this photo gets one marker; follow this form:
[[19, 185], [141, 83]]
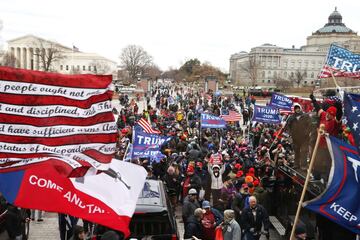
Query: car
[[153, 217]]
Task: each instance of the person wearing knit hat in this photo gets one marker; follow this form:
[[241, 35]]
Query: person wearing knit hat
[[330, 119], [190, 204], [217, 184], [230, 227]]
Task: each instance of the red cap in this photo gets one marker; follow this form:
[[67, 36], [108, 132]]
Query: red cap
[[256, 182], [244, 185], [332, 111], [190, 169], [124, 131], [252, 170], [199, 164]]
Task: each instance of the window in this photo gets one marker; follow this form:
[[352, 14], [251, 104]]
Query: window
[[67, 67], [285, 74], [312, 82], [95, 68], [312, 75], [89, 68], [268, 81], [61, 67], [84, 68], [263, 81], [305, 82], [78, 67]]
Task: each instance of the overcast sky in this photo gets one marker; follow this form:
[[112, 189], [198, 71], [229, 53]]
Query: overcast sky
[[173, 31]]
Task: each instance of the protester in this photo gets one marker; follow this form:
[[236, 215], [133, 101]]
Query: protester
[[212, 218], [190, 204], [254, 218], [193, 225], [231, 229], [78, 233]]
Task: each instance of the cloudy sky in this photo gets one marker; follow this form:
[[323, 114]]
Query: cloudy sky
[[173, 31]]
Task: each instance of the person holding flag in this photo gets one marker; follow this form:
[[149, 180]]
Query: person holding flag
[[330, 117]]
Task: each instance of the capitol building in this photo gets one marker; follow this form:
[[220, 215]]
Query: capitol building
[[268, 65], [35, 53]]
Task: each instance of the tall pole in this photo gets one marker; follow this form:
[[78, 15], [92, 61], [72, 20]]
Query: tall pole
[[320, 133]]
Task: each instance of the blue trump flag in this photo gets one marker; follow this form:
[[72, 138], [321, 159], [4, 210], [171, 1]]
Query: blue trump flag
[[281, 101], [352, 114], [266, 114], [340, 200], [211, 121], [147, 145], [341, 63]]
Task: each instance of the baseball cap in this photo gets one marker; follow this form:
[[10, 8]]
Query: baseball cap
[[331, 110], [206, 204], [192, 191]]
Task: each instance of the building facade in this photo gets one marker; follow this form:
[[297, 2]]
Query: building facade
[[270, 65], [35, 53]]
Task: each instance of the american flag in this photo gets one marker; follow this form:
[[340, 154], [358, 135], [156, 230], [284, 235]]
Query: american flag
[[283, 111], [341, 63], [145, 125], [64, 120], [352, 115], [231, 117]]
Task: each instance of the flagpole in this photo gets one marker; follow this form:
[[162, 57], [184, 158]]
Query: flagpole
[[321, 132], [127, 149]]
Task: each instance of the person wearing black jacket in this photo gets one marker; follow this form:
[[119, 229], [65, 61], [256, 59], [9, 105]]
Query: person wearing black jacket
[[253, 217], [193, 225]]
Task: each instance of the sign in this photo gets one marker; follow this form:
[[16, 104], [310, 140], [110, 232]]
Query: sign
[[266, 115], [211, 121], [147, 145], [281, 101]]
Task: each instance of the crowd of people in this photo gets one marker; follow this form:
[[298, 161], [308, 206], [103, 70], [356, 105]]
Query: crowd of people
[[221, 179]]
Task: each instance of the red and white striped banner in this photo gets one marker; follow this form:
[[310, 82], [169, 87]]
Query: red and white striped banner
[[47, 116], [145, 125]]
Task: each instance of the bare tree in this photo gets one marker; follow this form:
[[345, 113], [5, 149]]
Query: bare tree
[[101, 67], [282, 83], [251, 67], [298, 77], [135, 60], [48, 53], [153, 72], [9, 60]]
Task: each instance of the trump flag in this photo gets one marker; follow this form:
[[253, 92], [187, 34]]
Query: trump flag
[[108, 198], [211, 121], [340, 200], [147, 145], [352, 114], [64, 120], [341, 63], [281, 102], [266, 115]]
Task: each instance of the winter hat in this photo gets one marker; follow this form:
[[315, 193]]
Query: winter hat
[[239, 174], [332, 111], [300, 229], [297, 105], [190, 169], [229, 215], [110, 235], [249, 179], [216, 166], [252, 170], [237, 166]]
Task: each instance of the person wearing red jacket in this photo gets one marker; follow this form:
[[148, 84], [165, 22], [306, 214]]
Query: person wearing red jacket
[[330, 118]]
